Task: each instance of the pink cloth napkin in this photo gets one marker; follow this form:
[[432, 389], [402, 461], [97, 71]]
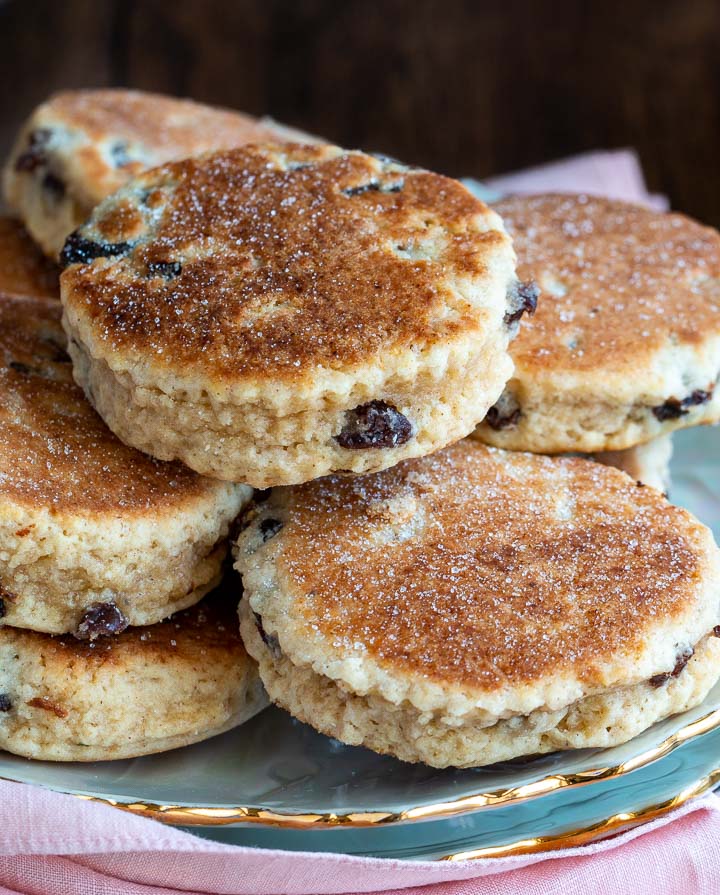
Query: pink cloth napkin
[[53, 844], [617, 175]]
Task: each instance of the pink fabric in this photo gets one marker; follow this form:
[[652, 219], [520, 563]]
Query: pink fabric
[[615, 174], [53, 844]]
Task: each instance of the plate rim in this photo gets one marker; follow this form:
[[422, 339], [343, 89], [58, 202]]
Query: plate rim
[[214, 816], [615, 823]]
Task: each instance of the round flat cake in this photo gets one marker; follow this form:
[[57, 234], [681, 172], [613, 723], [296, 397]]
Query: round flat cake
[[271, 314], [141, 691], [479, 605], [81, 145], [625, 345], [94, 535]]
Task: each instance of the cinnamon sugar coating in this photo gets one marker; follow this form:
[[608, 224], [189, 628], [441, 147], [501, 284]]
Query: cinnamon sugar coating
[[290, 259], [81, 145], [56, 451], [625, 344], [485, 581], [619, 282]]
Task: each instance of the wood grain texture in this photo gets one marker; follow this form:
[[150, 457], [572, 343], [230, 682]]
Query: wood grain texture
[[463, 86]]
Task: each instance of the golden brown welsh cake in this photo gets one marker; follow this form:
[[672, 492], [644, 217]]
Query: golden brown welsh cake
[[89, 527], [625, 346], [274, 313], [144, 690], [478, 605], [82, 145], [24, 270]]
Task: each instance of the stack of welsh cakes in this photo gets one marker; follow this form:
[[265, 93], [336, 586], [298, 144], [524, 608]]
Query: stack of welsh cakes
[[286, 344]]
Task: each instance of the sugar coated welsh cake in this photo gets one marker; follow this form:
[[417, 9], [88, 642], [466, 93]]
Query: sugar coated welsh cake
[[94, 535], [272, 314], [625, 346], [479, 605], [141, 691], [81, 145]]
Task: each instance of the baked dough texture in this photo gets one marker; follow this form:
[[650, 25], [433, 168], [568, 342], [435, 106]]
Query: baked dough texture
[[142, 691], [625, 344], [479, 605], [271, 314], [24, 270], [648, 463], [81, 145], [85, 521]]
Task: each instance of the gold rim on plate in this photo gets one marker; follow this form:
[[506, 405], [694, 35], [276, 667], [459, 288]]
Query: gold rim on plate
[[214, 817], [616, 823]]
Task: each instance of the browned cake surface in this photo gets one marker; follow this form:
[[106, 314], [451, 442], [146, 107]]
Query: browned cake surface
[[24, 270], [618, 282], [484, 568], [154, 127], [258, 261], [55, 450], [165, 122], [204, 636]]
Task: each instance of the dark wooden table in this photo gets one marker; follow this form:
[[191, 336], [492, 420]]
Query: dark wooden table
[[464, 87]]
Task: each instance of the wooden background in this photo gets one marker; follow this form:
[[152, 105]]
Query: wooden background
[[464, 87]]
